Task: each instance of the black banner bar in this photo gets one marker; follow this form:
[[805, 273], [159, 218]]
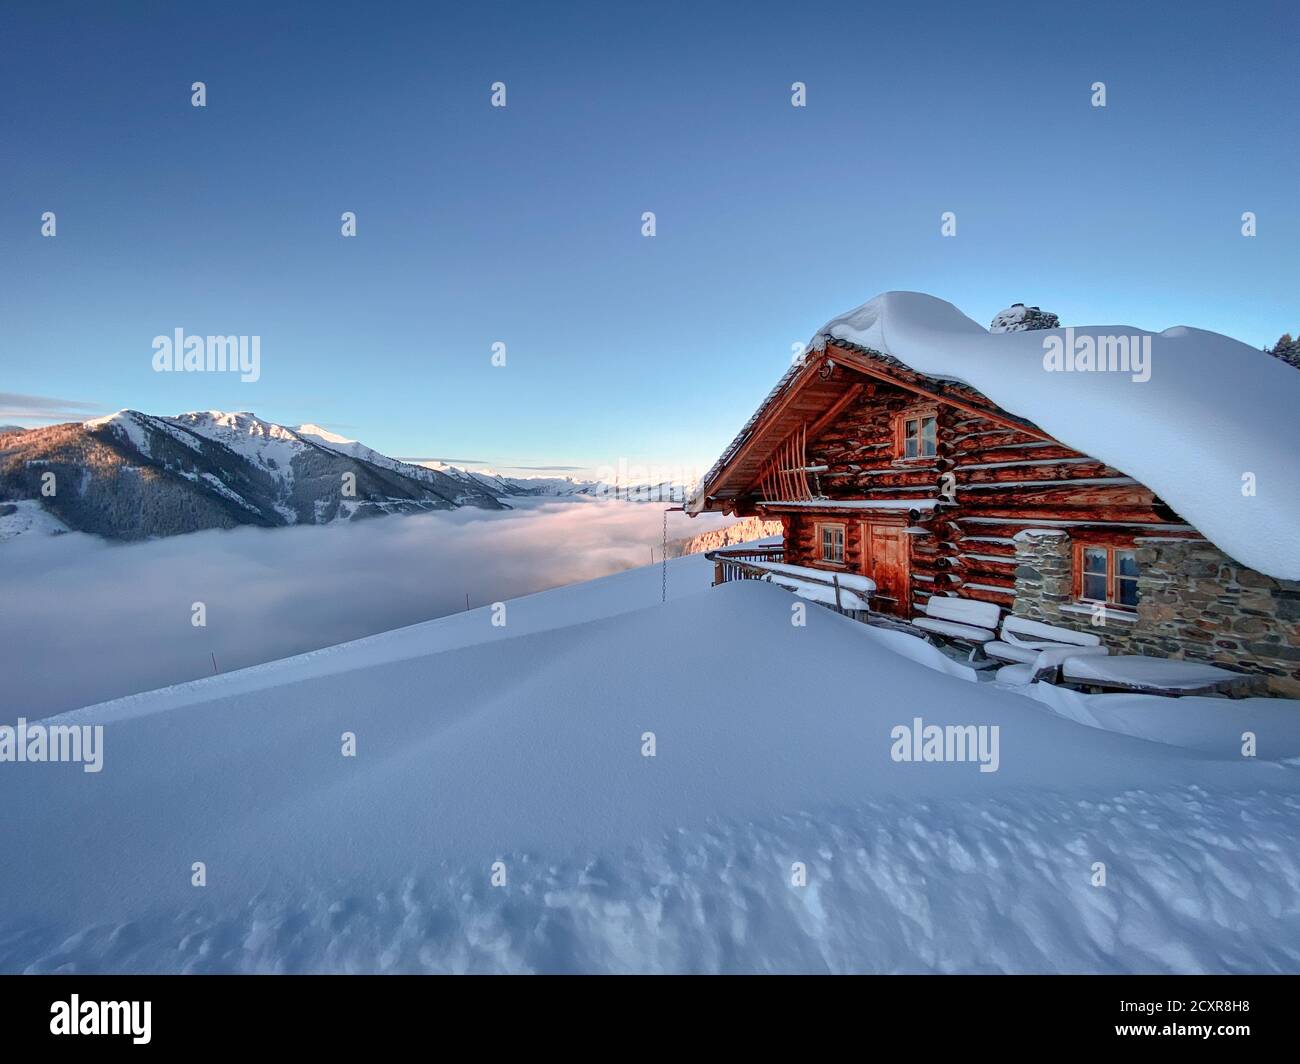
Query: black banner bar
[[338, 1013]]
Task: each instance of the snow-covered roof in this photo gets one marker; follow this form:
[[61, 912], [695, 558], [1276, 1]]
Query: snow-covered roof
[[1211, 431]]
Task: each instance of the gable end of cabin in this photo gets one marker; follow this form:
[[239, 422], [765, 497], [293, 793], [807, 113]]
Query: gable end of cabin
[[928, 488]]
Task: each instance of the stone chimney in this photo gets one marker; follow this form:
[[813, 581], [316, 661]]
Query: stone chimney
[[1020, 318]]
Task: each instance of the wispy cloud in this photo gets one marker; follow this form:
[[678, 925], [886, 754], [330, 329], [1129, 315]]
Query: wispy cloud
[[449, 461], [15, 406], [501, 466]]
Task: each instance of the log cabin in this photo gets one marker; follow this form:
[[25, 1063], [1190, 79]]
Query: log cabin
[[928, 487]]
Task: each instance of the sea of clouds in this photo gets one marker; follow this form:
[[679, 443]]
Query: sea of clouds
[[83, 620]]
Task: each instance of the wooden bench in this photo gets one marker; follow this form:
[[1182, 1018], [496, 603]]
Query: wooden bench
[[1036, 651], [1171, 677], [967, 622], [1022, 639]]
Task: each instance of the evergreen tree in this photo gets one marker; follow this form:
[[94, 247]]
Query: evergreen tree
[[1287, 350]]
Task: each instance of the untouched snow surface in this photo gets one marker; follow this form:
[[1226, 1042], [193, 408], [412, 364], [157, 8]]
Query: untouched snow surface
[[1213, 410], [523, 745], [27, 517]]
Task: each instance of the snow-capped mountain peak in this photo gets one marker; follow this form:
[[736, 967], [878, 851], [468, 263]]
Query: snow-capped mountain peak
[[322, 433], [139, 475]]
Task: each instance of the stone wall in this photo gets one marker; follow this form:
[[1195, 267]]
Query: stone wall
[[1193, 602]]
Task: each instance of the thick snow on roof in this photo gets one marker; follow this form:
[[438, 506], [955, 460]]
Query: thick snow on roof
[[1213, 410]]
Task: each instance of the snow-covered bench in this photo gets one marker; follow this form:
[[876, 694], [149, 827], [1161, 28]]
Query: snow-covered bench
[[958, 620], [1046, 664], [1156, 676], [1037, 651], [1022, 639]]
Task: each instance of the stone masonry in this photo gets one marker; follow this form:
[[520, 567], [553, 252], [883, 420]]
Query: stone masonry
[[1194, 602]]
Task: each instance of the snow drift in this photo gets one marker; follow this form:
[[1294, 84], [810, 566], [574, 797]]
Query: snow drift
[[521, 747]]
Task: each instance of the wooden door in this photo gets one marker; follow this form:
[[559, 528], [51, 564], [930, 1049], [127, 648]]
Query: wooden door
[[884, 559]]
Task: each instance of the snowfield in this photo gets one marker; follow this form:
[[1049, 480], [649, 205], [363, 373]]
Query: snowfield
[[523, 745], [27, 517]]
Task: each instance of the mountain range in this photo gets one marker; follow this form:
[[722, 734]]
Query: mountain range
[[133, 476]]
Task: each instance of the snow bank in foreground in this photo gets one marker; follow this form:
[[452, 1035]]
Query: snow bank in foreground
[[951, 886], [524, 746], [1213, 410]]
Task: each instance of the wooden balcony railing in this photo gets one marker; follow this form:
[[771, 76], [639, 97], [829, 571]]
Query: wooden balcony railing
[[756, 563], [729, 563]]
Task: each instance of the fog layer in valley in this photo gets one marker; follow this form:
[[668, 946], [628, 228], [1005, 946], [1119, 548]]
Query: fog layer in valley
[[83, 620]]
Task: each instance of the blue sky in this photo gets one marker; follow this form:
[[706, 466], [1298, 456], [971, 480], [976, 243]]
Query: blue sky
[[522, 225]]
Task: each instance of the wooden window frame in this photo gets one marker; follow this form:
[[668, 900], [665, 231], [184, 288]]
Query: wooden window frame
[[917, 414], [1112, 573], [820, 545]]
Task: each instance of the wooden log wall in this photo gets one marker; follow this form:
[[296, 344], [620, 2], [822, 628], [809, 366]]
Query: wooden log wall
[[1006, 481]]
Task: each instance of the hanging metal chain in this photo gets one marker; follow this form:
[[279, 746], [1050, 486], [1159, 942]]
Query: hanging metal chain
[[663, 590]]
